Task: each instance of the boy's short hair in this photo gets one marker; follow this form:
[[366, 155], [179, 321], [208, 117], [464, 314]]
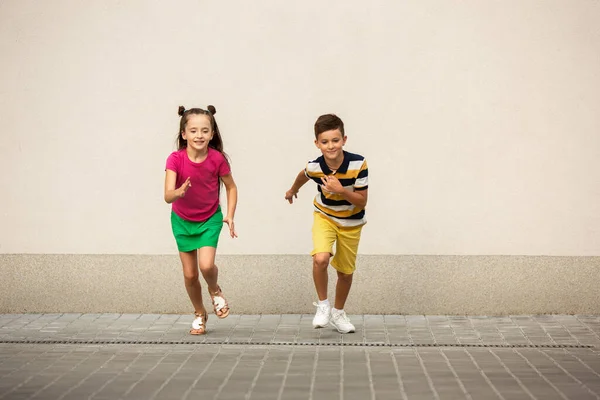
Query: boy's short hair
[[328, 122]]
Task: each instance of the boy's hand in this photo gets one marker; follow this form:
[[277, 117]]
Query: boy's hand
[[290, 194], [184, 187], [229, 222], [332, 184]]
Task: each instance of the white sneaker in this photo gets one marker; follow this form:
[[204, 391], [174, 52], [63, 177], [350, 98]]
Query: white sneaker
[[321, 319], [340, 321]]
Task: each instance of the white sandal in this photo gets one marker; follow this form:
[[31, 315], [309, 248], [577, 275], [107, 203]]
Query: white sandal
[[220, 304], [199, 324]]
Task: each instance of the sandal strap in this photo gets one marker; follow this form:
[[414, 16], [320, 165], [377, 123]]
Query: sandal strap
[[219, 302], [198, 322], [216, 293]]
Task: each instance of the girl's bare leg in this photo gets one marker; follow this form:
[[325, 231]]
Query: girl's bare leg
[[209, 270], [189, 261]]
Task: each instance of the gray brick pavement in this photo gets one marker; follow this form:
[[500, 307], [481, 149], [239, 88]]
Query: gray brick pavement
[[282, 357], [397, 330]]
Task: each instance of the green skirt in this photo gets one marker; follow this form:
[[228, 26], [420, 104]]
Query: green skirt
[[191, 235]]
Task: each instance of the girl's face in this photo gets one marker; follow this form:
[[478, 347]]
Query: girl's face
[[330, 143], [198, 132]]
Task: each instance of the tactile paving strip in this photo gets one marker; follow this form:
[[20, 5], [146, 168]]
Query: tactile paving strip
[[327, 344]]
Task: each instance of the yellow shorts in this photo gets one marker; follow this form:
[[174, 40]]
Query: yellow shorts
[[325, 233]]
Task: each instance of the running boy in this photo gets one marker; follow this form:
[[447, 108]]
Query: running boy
[[339, 215]]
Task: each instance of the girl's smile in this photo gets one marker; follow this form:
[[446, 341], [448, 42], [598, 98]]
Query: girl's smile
[[198, 131]]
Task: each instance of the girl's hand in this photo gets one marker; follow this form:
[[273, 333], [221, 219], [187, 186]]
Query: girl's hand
[[332, 184], [290, 194], [184, 188], [229, 222]]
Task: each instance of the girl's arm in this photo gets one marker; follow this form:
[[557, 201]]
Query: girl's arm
[[231, 188], [172, 194], [301, 179]]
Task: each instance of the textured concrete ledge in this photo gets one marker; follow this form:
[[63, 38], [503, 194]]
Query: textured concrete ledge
[[272, 284]]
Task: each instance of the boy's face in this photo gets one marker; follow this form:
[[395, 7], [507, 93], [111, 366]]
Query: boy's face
[[330, 143]]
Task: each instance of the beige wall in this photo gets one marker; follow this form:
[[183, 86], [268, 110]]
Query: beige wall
[[274, 284], [480, 120]]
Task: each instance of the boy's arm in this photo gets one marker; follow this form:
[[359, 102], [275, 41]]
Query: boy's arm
[[300, 180], [358, 197], [231, 189]]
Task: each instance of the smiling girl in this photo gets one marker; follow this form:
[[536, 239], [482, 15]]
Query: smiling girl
[[194, 174]]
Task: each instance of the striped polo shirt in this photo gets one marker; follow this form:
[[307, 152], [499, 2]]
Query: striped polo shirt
[[353, 175]]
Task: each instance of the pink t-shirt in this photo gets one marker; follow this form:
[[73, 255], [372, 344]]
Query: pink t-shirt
[[202, 198]]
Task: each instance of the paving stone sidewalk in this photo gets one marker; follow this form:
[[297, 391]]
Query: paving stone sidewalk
[[147, 356]]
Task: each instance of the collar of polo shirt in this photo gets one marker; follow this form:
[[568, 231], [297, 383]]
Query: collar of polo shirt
[[342, 169]]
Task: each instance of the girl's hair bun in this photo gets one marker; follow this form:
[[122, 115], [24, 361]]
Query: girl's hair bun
[[181, 110], [212, 109]]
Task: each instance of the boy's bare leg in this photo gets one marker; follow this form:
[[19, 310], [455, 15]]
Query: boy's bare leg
[[339, 319], [342, 288], [320, 264]]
